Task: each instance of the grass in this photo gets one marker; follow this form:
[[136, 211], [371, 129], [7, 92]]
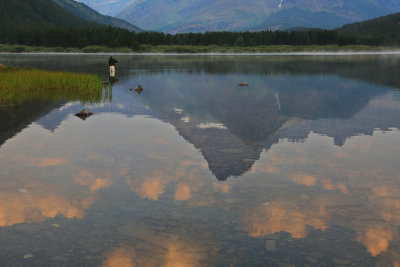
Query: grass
[[193, 49], [19, 85]]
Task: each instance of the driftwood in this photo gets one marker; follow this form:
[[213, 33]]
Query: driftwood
[[84, 114], [243, 84]]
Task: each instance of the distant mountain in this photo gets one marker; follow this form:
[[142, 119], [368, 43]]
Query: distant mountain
[[107, 7], [197, 15], [84, 12], [387, 28], [216, 15], [295, 18]]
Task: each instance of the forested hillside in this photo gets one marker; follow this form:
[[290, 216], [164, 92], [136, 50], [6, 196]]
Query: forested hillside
[[84, 12], [385, 30], [37, 13], [45, 23]]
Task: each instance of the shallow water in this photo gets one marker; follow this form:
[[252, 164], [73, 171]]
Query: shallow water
[[300, 168]]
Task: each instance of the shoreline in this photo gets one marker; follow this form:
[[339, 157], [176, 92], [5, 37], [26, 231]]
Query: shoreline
[[300, 53], [175, 50]]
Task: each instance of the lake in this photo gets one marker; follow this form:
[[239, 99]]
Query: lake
[[299, 168]]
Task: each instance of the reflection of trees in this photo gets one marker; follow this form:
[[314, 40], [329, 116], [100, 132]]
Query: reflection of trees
[[374, 69], [15, 117]]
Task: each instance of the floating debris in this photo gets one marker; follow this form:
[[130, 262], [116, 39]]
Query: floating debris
[[55, 225], [84, 114], [139, 89], [243, 84], [28, 256]]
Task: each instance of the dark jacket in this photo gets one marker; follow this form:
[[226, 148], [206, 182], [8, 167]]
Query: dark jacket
[[112, 61]]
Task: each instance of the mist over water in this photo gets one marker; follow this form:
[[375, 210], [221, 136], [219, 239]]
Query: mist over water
[[300, 167]]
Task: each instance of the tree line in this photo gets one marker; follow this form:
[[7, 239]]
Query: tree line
[[51, 36]]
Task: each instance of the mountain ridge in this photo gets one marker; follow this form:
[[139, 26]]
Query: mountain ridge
[[83, 11], [178, 16]]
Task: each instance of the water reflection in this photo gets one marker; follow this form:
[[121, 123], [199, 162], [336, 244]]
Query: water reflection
[[298, 168]]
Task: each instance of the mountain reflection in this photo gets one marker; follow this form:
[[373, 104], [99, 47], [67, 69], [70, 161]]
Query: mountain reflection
[[145, 196], [231, 126]]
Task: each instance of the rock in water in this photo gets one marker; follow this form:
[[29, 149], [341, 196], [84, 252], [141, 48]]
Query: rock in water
[[139, 89], [84, 114]]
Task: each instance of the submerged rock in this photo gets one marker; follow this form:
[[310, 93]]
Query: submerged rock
[[84, 114]]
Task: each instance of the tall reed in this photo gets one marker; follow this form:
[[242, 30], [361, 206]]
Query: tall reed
[[19, 85]]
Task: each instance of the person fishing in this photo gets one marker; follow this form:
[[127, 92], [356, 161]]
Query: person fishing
[[112, 61]]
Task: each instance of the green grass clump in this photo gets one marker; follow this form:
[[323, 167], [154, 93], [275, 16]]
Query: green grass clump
[[19, 85]]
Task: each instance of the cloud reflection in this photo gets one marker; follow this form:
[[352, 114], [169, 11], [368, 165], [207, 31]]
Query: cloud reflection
[[183, 192], [304, 179], [37, 202], [93, 182], [120, 257], [283, 216], [376, 239], [151, 187], [177, 257], [46, 162]]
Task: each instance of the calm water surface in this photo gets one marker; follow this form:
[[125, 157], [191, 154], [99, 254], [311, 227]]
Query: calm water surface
[[300, 168]]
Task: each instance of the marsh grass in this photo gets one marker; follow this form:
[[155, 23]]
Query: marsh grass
[[19, 85]]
